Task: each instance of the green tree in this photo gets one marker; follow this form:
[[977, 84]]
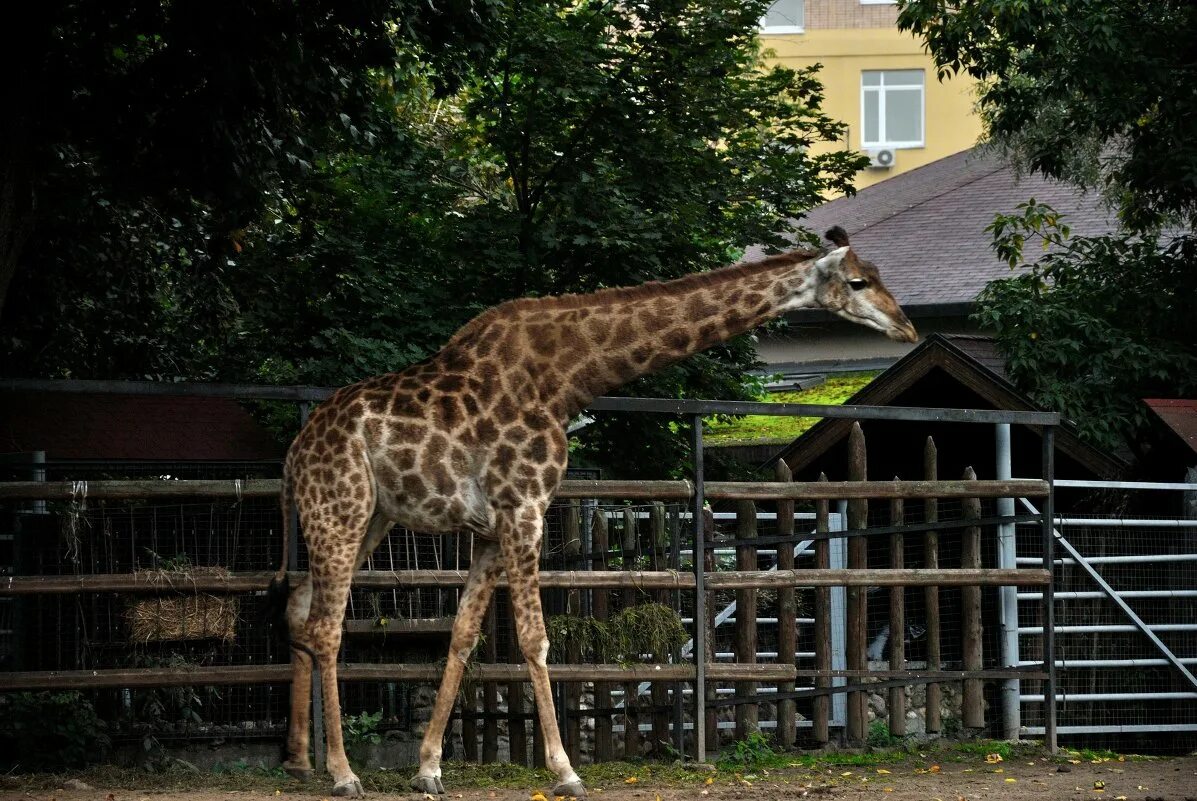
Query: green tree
[[1094, 91], [1097, 93], [608, 145], [138, 139]]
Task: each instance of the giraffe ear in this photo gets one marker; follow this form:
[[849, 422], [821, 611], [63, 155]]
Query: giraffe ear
[[831, 262]]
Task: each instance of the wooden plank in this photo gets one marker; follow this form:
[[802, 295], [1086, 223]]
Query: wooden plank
[[787, 614], [933, 713], [604, 750], [429, 672], [822, 703], [858, 610], [710, 716], [897, 621], [972, 711], [150, 489], [638, 579], [747, 715]]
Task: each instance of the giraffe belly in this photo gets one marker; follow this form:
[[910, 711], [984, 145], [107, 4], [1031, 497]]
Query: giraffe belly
[[464, 509]]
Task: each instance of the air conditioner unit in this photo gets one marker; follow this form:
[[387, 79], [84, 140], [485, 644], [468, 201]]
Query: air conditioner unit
[[881, 159]]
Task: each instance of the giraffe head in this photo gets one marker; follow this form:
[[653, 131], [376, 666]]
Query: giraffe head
[[851, 287]]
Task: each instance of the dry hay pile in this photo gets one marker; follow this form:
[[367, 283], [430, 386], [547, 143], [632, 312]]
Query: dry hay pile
[[197, 616]]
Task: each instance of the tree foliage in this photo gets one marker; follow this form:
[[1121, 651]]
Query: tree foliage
[[1094, 91], [1097, 93], [1096, 324]]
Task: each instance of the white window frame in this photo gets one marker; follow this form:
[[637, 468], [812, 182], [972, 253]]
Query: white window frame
[[881, 90], [780, 29], [878, 2]]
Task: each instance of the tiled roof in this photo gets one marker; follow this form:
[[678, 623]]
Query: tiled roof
[[925, 229], [1178, 414]]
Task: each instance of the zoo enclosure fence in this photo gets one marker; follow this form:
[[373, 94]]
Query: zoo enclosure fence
[[840, 588]]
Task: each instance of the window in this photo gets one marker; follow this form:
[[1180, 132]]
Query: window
[[891, 108], [784, 16]]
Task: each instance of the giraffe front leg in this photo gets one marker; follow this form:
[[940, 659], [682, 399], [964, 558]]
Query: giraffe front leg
[[485, 567], [521, 551]]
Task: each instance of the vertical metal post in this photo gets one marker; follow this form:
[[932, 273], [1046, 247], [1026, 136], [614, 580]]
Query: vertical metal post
[[839, 617], [700, 603], [1008, 610], [1049, 605]]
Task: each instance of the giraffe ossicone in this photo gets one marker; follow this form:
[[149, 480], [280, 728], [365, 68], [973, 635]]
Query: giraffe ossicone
[[473, 440]]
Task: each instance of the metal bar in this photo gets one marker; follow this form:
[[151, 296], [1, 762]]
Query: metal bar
[[1147, 631], [1120, 522], [654, 405], [1048, 605], [1115, 697], [1130, 728], [1119, 663], [1131, 485], [863, 490], [838, 557], [906, 528], [1110, 629], [1076, 596], [1008, 596], [1134, 559], [700, 600]]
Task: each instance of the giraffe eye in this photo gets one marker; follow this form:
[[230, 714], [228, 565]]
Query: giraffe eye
[[857, 284]]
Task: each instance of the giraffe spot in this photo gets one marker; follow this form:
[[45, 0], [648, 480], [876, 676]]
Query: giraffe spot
[[542, 338], [700, 306], [640, 353], [424, 395], [471, 405], [504, 457], [450, 412], [436, 449], [404, 458], [405, 405], [414, 486], [537, 449], [450, 383], [434, 505], [537, 421], [506, 410], [624, 334], [677, 340], [485, 430]]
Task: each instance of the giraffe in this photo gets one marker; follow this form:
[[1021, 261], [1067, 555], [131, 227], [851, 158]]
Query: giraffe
[[473, 440]]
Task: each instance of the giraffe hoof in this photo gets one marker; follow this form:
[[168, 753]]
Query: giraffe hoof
[[303, 774], [427, 784], [350, 788], [573, 789]]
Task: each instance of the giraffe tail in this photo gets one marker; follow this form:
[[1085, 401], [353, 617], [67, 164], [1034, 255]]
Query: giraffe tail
[[274, 610]]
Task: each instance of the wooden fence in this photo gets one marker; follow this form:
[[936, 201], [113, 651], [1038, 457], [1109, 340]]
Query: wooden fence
[[611, 589]]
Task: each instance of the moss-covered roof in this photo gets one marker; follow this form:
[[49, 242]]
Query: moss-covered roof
[[759, 429]]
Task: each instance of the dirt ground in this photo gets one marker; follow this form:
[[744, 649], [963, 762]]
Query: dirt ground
[[912, 780]]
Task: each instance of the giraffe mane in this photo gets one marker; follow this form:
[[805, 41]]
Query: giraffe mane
[[645, 291]]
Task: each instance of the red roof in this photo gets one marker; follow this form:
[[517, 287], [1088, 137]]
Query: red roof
[[1178, 414], [132, 427]]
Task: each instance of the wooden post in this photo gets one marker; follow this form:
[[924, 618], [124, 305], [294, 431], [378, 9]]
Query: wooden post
[[787, 613], [747, 715], [934, 721], [897, 621], [973, 704], [660, 692], [572, 692], [490, 692], [858, 610], [603, 750], [631, 726], [517, 733], [822, 710]]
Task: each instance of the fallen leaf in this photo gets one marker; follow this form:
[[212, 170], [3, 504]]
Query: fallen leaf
[[883, 771], [537, 796], [1119, 798], [933, 769], [628, 780], [887, 789], [993, 759], [1011, 780], [1098, 784], [845, 773], [709, 780]]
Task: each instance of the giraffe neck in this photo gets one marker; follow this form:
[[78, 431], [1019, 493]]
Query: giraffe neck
[[621, 335]]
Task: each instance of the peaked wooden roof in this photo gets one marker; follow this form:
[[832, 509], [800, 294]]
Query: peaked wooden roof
[[975, 363]]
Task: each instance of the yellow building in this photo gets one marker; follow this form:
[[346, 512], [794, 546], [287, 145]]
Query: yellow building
[[877, 79]]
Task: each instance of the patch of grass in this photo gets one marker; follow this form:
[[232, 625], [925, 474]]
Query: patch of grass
[[752, 428]]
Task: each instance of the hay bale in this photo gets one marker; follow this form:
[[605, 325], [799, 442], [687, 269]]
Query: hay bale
[[169, 618]]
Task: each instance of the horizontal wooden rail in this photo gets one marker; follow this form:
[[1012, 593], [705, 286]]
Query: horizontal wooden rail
[[281, 674], [569, 579], [149, 489]]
